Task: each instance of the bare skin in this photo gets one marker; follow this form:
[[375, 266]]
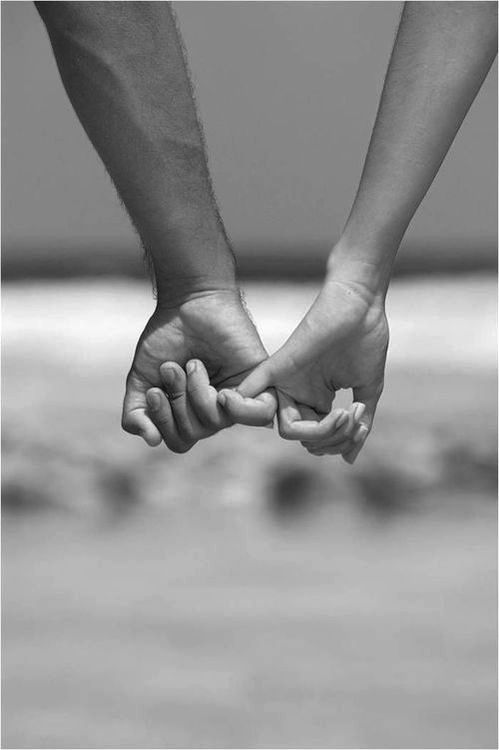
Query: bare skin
[[441, 56], [341, 343], [125, 74], [124, 71], [214, 330]]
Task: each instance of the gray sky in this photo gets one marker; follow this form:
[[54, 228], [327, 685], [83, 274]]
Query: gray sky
[[288, 94]]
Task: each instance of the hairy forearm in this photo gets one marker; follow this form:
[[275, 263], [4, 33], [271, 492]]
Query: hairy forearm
[[123, 69], [441, 56]]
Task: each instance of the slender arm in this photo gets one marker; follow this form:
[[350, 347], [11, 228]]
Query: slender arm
[[441, 55], [123, 68]]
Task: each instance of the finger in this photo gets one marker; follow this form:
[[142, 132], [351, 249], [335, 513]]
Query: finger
[[344, 430], [161, 413], [203, 398], [342, 440], [175, 383], [360, 434], [293, 427], [316, 451], [356, 412], [331, 450], [307, 413], [369, 396], [337, 434], [356, 444], [351, 456], [257, 381], [134, 418], [256, 412], [137, 422]]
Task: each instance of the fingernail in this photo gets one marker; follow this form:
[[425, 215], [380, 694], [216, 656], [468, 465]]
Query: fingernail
[[153, 401], [361, 434], [169, 375], [348, 459], [191, 366], [222, 398], [358, 411], [341, 419]]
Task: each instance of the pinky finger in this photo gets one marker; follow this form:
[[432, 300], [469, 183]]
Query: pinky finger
[[358, 441]]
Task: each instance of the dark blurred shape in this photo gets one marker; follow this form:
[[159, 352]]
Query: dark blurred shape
[[19, 497], [386, 492], [121, 490], [471, 467], [75, 260], [294, 492]]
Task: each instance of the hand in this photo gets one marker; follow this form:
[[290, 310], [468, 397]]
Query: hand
[[213, 327], [341, 343]]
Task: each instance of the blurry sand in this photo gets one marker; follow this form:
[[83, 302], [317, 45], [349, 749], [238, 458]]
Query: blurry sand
[[437, 324], [247, 594]]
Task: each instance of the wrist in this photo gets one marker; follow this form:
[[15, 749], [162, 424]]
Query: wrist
[[188, 270], [175, 291], [368, 266]]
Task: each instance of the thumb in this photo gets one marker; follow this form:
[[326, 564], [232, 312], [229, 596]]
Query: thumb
[[369, 396], [134, 418]]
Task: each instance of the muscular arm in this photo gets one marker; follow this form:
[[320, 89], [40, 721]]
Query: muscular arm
[[124, 71], [441, 56]]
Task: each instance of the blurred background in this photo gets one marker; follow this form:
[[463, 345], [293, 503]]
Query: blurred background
[[246, 594]]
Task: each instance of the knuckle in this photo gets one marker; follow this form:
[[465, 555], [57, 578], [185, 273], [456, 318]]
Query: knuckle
[[161, 421], [175, 395], [193, 388], [268, 413], [208, 420], [129, 426], [285, 432], [211, 424]]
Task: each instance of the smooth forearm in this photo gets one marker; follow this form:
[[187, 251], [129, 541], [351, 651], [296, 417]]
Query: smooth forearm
[[123, 69], [441, 56]]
